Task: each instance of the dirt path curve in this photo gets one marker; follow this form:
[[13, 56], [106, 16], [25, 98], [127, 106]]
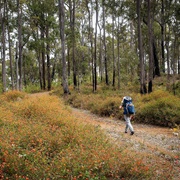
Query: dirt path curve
[[158, 146]]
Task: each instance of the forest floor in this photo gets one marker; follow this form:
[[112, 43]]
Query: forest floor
[[157, 145]]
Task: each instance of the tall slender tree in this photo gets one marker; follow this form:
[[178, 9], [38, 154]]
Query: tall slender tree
[[162, 36], [113, 51], [104, 43], [19, 7], [151, 60], [118, 51], [4, 46], [62, 36], [143, 89], [72, 8], [95, 49], [10, 50], [48, 59]]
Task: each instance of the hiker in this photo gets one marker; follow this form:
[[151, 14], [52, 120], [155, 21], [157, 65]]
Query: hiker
[[129, 111]]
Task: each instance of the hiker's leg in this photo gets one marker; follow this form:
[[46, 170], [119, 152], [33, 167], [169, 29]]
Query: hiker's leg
[[126, 128], [128, 123]]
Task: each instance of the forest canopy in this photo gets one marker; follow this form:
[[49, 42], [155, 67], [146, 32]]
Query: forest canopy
[[47, 42]]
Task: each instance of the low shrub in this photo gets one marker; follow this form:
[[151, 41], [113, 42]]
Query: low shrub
[[40, 139], [32, 88], [159, 108], [108, 107], [13, 95]]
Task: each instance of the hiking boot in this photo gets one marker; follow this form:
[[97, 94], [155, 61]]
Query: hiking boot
[[132, 132]]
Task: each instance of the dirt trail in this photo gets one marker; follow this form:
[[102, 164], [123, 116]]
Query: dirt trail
[[156, 144]]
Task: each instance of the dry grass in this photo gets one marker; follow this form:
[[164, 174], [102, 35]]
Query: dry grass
[[158, 108], [40, 139]]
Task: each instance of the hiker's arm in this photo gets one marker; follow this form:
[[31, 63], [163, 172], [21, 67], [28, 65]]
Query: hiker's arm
[[122, 102]]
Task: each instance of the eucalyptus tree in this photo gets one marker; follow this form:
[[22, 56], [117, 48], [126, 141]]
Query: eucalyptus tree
[[119, 23], [19, 9], [112, 5], [118, 52], [37, 19], [172, 33], [95, 48], [89, 9], [104, 42], [51, 27], [42, 20], [143, 89], [9, 29], [62, 35], [3, 42], [72, 12], [83, 49], [162, 24], [101, 67], [151, 60], [148, 18]]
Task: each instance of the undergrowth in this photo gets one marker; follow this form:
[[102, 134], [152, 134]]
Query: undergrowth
[[40, 139], [157, 108]]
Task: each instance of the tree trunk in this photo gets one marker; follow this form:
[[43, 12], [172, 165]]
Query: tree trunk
[[156, 60], [54, 67], [174, 66], [17, 68], [62, 36], [48, 60], [143, 89], [69, 63], [10, 55], [162, 37], [91, 41], [113, 53], [151, 61], [72, 5], [178, 63], [39, 63], [43, 59], [118, 48], [104, 42], [100, 60], [90, 37], [40, 69], [168, 61], [20, 42], [95, 49], [100, 56], [3, 48]]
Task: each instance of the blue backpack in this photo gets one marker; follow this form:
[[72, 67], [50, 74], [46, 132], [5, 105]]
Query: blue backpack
[[128, 105]]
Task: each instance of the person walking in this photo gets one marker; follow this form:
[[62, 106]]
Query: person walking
[[129, 111]]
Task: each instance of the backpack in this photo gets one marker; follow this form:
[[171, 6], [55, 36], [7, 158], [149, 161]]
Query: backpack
[[130, 108], [128, 105]]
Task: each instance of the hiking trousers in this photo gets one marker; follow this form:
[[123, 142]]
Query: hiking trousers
[[128, 123]]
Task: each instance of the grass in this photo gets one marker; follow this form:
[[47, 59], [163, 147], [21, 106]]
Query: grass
[[40, 139], [157, 108]]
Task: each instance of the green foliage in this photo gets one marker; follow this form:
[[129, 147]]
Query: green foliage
[[108, 107], [158, 108], [32, 88]]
